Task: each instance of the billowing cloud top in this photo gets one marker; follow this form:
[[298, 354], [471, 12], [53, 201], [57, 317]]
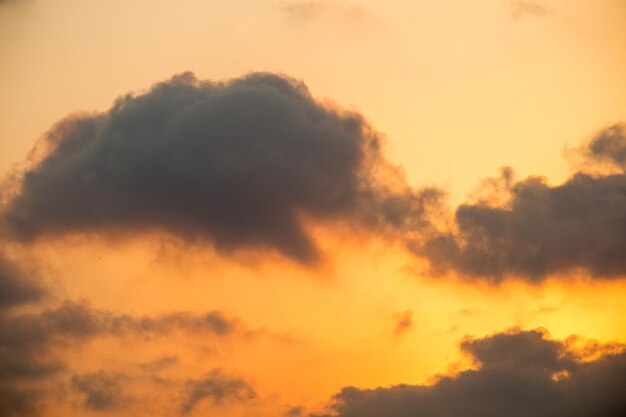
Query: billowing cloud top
[[543, 229], [520, 373], [237, 164]]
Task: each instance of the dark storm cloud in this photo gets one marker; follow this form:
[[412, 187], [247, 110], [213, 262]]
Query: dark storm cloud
[[543, 230], [101, 391], [216, 387], [237, 164], [519, 374]]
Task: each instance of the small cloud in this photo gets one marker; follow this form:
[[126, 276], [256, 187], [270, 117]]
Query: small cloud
[[218, 388], [310, 9], [294, 412], [158, 364], [404, 323], [529, 8]]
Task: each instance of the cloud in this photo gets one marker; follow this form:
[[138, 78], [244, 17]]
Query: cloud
[[25, 338], [543, 230], [17, 290], [308, 9], [404, 323], [519, 374], [159, 364], [217, 387], [296, 411], [116, 392], [30, 344], [249, 163], [101, 391], [609, 145], [15, 287], [15, 401], [238, 164], [524, 8]]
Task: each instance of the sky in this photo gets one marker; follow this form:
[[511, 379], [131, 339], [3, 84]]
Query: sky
[[312, 208]]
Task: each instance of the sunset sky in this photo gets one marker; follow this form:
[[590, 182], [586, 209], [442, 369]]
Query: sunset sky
[[313, 208]]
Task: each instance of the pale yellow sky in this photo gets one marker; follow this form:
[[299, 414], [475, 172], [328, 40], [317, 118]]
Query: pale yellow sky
[[459, 88]]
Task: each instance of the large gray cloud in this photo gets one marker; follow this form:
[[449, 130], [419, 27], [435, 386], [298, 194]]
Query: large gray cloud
[[519, 374], [544, 229], [237, 164], [241, 164]]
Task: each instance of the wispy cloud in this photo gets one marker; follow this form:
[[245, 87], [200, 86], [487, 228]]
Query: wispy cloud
[[529, 8]]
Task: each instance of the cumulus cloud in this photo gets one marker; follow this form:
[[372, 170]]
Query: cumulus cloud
[[609, 145], [248, 163], [216, 387], [543, 230], [238, 164], [519, 373]]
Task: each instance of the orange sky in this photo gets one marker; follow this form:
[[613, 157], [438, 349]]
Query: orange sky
[[457, 90]]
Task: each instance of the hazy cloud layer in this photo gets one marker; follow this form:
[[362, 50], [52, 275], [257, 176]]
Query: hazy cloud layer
[[15, 287], [26, 338], [237, 164], [28, 342], [543, 229], [158, 364], [100, 391], [519, 374], [114, 393]]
